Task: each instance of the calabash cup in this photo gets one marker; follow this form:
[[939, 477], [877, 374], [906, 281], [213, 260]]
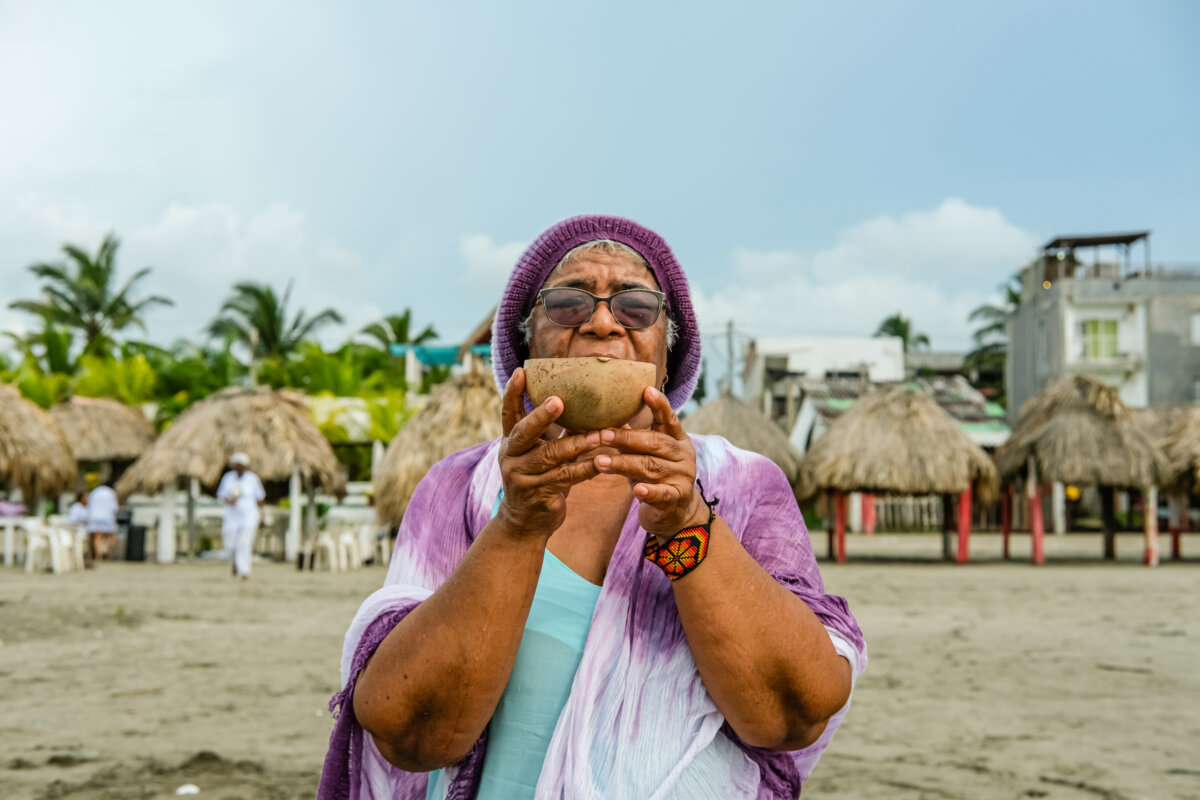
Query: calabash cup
[[596, 392]]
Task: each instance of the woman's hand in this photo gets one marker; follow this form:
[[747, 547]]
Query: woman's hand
[[537, 474], [660, 463]]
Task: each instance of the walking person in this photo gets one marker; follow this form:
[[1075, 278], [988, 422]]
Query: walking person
[[244, 496], [102, 508]]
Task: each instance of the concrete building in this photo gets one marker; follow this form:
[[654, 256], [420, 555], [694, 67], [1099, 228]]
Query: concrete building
[[1135, 328], [773, 367]]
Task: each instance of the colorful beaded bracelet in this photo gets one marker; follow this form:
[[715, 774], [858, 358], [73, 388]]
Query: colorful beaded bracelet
[[684, 551]]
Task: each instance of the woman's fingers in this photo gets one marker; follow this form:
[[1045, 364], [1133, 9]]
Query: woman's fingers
[[665, 418], [646, 469], [527, 432], [512, 408]]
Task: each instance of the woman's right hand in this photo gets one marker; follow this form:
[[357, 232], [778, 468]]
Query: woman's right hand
[[538, 474]]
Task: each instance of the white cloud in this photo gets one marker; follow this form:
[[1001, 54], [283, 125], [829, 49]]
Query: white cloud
[[197, 253], [932, 266], [489, 264]]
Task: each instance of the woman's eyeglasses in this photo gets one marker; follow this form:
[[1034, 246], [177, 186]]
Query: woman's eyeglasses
[[632, 308]]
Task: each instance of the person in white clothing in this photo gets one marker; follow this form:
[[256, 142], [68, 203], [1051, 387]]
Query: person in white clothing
[[102, 521], [243, 494]]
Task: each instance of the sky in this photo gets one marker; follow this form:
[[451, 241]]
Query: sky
[[815, 166]]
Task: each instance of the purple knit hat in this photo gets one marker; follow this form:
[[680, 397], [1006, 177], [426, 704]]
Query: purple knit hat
[[509, 350]]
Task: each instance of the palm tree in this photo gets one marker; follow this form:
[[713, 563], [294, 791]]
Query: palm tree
[[394, 329], [256, 317], [991, 337], [901, 327], [81, 296]]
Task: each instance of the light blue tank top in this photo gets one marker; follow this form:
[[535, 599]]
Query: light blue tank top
[[551, 649]]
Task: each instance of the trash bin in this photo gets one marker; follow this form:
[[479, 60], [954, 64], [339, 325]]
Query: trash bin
[[135, 543]]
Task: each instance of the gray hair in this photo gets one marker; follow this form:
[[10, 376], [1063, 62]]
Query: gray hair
[[609, 247]]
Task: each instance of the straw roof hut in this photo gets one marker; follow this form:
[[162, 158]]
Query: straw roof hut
[[35, 455], [896, 441], [272, 427], [100, 429], [746, 428], [1181, 445], [1078, 431], [461, 412]]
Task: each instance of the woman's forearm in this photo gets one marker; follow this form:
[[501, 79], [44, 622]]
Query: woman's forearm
[[428, 692], [764, 656]]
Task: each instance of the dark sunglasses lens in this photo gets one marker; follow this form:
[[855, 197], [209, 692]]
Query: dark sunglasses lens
[[568, 307], [636, 309]]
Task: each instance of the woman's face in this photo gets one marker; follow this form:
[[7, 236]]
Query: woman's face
[[602, 275]]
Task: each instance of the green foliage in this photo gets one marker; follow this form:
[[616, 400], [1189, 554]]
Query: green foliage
[[395, 329], [43, 388], [50, 348], [991, 337], [902, 327], [81, 294], [258, 318], [130, 380]]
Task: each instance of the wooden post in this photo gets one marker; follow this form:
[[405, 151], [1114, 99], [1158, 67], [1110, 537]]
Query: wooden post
[[1150, 525], [1108, 521], [1036, 524], [839, 514], [868, 514], [166, 524], [947, 522], [193, 492], [1179, 510], [1006, 519], [964, 526], [829, 525]]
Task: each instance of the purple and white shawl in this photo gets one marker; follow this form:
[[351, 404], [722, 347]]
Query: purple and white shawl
[[638, 713]]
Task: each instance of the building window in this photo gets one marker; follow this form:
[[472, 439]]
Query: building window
[[1099, 338]]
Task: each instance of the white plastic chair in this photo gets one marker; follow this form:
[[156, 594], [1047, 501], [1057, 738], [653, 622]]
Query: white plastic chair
[[325, 553], [348, 549], [49, 545]]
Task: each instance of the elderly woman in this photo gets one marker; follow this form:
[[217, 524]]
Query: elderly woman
[[625, 613]]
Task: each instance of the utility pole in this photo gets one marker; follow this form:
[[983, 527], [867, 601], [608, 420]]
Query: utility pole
[[729, 344]]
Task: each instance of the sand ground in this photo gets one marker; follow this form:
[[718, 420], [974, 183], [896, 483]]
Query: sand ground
[[991, 680]]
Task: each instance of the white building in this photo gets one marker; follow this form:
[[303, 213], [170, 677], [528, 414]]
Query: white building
[[1136, 330], [773, 364]]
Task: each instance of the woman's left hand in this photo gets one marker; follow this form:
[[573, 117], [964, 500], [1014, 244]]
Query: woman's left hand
[[660, 463]]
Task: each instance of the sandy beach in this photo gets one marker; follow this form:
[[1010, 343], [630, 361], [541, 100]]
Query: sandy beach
[[989, 680]]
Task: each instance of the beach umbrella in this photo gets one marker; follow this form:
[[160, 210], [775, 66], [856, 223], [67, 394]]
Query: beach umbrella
[[747, 428], [1078, 431], [35, 455], [461, 412], [100, 429], [272, 427], [900, 442]]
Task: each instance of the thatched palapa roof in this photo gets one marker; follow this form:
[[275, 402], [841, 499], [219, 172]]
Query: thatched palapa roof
[[35, 456], [1180, 443], [746, 428], [272, 427], [461, 412], [897, 441], [100, 429], [1078, 431]]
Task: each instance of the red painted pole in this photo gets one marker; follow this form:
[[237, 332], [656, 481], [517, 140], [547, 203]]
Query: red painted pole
[[1150, 526], [1037, 526], [839, 515], [1006, 519], [964, 526], [868, 514]]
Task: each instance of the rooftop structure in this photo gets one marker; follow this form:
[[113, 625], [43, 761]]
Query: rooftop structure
[[1134, 327]]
